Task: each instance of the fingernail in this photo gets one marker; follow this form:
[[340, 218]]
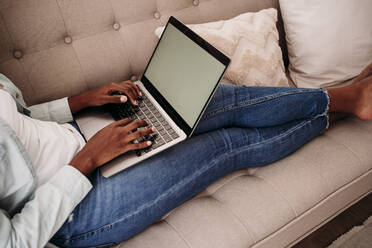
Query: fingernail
[[140, 93], [136, 102], [148, 143], [153, 129], [123, 98]]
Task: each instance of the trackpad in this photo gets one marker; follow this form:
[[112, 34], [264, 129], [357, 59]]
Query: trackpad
[[91, 121]]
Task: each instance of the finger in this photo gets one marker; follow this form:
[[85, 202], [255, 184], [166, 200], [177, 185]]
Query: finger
[[115, 99], [123, 122], [140, 133], [141, 145], [131, 94], [136, 124], [135, 88]]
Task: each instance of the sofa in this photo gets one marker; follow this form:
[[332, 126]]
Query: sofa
[[57, 48]]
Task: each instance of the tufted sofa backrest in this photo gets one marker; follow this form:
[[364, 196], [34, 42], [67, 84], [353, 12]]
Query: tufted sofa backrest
[[57, 48]]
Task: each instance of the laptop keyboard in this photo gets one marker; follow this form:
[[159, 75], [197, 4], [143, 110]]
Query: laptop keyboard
[[146, 111]]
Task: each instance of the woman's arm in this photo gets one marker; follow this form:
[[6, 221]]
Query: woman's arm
[[45, 212], [110, 142], [102, 95], [61, 110]]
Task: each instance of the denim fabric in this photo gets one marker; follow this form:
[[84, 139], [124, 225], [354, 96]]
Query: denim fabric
[[242, 127], [76, 126]]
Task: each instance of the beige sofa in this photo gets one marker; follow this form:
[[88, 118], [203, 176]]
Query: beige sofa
[[55, 48]]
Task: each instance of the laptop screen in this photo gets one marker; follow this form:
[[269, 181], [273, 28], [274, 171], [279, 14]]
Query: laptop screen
[[184, 73]]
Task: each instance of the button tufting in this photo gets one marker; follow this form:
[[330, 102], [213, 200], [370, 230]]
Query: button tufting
[[133, 78], [116, 26], [68, 40], [17, 54], [157, 15], [195, 2]]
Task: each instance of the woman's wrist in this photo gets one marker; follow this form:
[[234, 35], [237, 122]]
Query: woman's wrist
[[78, 102], [83, 163]]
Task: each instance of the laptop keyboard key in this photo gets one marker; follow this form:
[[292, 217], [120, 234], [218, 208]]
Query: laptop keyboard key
[[146, 111], [167, 138], [174, 135]]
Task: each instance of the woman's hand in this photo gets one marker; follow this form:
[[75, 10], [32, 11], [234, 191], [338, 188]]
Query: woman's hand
[[102, 95], [110, 142]]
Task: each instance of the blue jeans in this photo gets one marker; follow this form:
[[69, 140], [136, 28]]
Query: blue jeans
[[242, 127]]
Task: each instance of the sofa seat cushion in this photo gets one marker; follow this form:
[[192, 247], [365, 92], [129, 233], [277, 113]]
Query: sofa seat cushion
[[253, 206]]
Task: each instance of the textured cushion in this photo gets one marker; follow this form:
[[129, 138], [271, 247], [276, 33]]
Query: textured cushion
[[53, 49], [328, 41], [251, 41]]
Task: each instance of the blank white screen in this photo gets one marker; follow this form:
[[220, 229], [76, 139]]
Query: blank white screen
[[184, 73]]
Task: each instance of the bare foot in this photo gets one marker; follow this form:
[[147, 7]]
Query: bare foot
[[364, 102], [353, 99], [364, 74]]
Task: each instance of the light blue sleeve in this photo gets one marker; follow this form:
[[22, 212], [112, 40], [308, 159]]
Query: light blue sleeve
[[58, 111], [45, 213]]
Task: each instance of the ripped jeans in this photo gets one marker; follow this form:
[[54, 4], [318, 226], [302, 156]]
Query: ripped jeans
[[242, 127]]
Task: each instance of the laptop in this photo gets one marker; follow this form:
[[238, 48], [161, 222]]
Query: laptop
[[178, 83]]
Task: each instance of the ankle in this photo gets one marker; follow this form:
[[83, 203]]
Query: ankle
[[344, 99]]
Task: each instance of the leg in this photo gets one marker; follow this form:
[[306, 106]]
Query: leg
[[354, 99], [121, 206], [241, 106]]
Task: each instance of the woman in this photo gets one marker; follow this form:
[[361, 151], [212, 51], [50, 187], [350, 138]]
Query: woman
[[44, 166]]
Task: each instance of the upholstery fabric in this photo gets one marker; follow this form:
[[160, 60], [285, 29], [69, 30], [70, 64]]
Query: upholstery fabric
[[55, 48], [328, 41], [251, 41]]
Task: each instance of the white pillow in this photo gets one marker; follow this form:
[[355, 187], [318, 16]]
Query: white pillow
[[329, 41], [251, 41]]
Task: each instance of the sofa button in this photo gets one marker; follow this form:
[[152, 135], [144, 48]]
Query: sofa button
[[68, 40], [133, 78], [116, 26], [157, 15], [17, 54], [195, 2]]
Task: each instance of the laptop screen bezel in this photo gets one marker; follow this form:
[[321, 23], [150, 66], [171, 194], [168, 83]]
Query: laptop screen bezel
[[177, 118]]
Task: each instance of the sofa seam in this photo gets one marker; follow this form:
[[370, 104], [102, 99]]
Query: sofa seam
[[122, 40], [347, 148], [317, 203], [229, 210], [178, 233], [14, 46], [280, 193], [72, 47]]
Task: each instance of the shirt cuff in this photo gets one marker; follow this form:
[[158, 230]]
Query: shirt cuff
[[57, 110], [60, 110], [72, 183]]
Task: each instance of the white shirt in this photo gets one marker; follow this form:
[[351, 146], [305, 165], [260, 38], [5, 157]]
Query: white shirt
[[50, 145]]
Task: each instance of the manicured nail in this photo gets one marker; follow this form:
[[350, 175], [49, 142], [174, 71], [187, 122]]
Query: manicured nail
[[136, 102], [153, 129], [123, 98], [140, 93], [148, 143]]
